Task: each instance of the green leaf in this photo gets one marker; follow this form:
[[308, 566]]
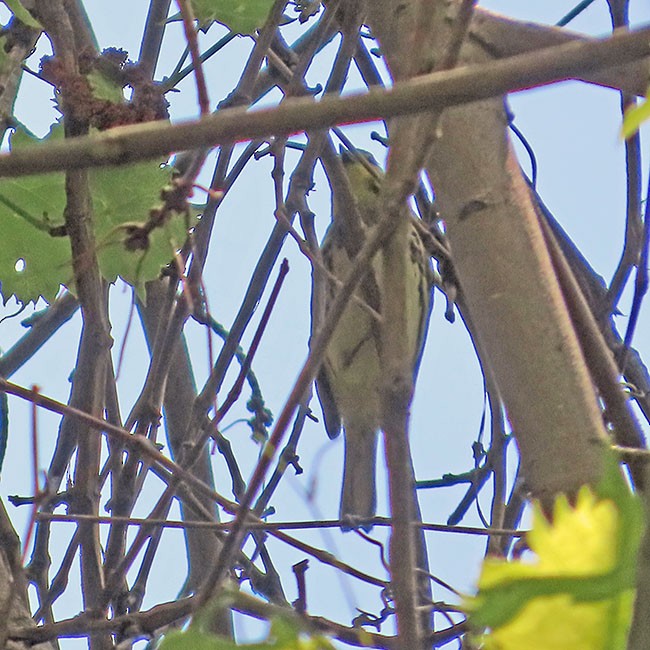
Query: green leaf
[[284, 634], [631, 520], [125, 195], [104, 87], [17, 9], [194, 639], [239, 16], [635, 116], [34, 264]]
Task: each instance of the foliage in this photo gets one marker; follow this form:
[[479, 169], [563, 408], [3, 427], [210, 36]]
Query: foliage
[[36, 255], [636, 116], [579, 590], [239, 16], [105, 87], [286, 632], [283, 635], [17, 9]]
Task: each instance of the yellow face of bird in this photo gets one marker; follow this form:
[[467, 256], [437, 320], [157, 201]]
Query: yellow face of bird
[[365, 185]]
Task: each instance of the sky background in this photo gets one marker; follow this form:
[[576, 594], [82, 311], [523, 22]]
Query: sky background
[[573, 129]]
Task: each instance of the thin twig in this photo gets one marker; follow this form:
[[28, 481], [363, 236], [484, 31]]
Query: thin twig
[[187, 14], [640, 284], [235, 391], [270, 526], [600, 362], [154, 30]]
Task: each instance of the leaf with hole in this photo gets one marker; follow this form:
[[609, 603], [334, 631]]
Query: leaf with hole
[[34, 262]]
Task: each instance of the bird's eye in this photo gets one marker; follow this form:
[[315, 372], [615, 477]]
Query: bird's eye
[[374, 186]]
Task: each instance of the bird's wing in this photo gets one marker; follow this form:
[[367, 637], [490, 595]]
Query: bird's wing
[[328, 405]]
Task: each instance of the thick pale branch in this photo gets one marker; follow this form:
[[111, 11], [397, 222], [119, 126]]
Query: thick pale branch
[[501, 37], [60, 22], [516, 306], [429, 92]]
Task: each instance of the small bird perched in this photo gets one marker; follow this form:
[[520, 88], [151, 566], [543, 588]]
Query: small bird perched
[[349, 382]]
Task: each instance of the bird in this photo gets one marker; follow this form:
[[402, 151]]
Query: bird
[[349, 381]]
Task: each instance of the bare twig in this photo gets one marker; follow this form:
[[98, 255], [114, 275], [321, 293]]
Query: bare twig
[[154, 31], [235, 391], [187, 14], [640, 283], [62, 21], [272, 526], [600, 361]]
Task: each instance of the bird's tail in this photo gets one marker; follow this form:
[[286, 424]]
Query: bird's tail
[[358, 498]]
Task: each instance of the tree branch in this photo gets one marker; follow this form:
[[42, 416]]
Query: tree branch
[[438, 90]]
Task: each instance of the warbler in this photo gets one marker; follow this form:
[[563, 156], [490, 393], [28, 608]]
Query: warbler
[[349, 381]]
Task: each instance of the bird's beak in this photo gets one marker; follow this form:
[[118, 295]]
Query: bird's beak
[[346, 156]]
